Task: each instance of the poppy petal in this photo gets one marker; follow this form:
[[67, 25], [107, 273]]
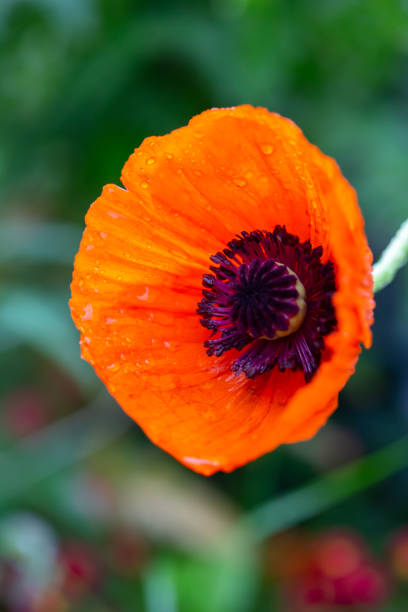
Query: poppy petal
[[138, 279]]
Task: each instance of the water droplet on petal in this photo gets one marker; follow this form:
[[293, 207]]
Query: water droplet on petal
[[88, 313], [150, 161], [267, 149], [240, 182], [144, 185], [144, 295]]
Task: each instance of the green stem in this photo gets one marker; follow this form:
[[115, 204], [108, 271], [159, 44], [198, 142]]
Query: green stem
[[392, 259], [310, 500]]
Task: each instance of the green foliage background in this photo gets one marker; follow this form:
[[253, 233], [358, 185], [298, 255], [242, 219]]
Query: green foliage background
[[82, 83]]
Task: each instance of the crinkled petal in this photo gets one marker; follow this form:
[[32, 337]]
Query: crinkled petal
[[138, 279]]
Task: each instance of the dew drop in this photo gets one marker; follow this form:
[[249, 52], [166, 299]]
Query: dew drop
[[88, 313], [144, 185], [169, 156], [150, 161], [267, 149], [144, 295], [240, 182]]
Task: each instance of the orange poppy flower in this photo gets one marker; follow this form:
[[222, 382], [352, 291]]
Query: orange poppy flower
[[222, 296]]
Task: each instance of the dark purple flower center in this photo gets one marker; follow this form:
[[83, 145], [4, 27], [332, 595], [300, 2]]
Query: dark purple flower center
[[270, 293]]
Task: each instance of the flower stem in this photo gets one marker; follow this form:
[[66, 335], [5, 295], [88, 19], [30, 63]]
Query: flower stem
[[310, 500], [392, 259]]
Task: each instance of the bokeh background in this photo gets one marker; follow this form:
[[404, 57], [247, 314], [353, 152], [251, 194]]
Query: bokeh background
[[93, 517]]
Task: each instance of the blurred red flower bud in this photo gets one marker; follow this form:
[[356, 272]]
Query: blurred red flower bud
[[338, 554], [368, 585], [340, 573], [80, 570]]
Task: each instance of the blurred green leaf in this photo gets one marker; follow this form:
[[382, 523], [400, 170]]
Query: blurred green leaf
[[60, 445], [36, 242], [216, 582], [159, 587], [42, 320], [311, 500]]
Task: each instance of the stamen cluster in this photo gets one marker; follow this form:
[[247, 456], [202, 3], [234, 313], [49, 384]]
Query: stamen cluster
[[272, 294]]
